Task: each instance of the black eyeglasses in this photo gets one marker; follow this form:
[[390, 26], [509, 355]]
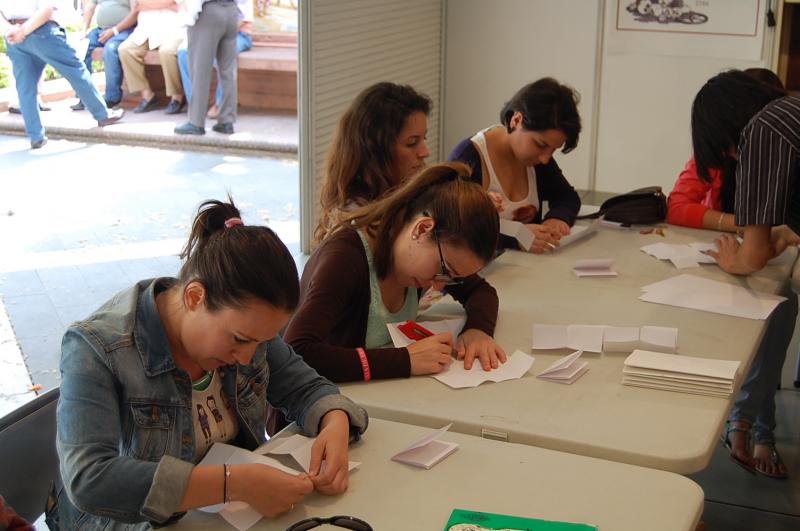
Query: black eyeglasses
[[444, 276], [346, 522]]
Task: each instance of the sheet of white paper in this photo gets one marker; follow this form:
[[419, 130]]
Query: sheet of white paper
[[400, 340], [689, 291], [457, 376], [576, 337], [684, 262], [658, 338], [620, 338], [299, 447], [597, 267]]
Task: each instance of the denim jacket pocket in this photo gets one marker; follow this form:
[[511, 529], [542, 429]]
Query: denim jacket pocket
[[152, 430]]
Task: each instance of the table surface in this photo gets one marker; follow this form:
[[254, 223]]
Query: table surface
[[496, 477], [595, 416]]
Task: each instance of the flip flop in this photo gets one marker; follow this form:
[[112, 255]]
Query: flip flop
[[726, 441], [776, 460]]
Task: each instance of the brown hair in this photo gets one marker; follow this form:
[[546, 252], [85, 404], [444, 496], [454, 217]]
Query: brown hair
[[358, 166], [238, 262], [464, 214]]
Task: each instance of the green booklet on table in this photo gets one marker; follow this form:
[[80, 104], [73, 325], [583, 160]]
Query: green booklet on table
[[462, 520]]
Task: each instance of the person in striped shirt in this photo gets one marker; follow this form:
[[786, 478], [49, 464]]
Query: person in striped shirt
[[737, 117]]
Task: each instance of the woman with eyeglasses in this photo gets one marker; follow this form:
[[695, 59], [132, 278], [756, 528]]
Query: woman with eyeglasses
[[379, 143], [170, 366], [437, 230], [514, 161]]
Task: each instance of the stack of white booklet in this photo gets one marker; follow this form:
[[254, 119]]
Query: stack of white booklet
[[699, 376], [427, 451]]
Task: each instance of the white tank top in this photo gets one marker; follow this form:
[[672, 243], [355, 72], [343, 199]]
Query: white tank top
[[494, 185]]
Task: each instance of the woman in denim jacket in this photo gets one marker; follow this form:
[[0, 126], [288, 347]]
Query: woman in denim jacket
[[170, 366]]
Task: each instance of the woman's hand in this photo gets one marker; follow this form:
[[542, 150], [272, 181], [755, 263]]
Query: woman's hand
[[431, 355], [268, 490], [474, 343], [545, 238], [558, 225], [329, 468]]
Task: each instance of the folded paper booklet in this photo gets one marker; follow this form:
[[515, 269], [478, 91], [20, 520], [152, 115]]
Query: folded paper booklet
[[239, 514], [596, 267], [457, 376], [684, 374], [427, 451], [566, 370], [399, 339], [463, 520], [573, 336]]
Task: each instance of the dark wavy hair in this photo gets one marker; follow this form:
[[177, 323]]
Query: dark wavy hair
[[546, 104]]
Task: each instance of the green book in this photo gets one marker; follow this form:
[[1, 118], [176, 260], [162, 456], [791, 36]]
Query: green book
[[461, 520]]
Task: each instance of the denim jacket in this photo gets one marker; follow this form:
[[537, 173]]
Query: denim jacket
[[125, 432]]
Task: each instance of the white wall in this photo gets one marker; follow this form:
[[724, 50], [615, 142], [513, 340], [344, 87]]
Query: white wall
[[644, 135], [494, 47], [643, 101]]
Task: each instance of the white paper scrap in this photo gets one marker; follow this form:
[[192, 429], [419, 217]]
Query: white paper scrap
[[620, 338], [576, 337], [458, 377]]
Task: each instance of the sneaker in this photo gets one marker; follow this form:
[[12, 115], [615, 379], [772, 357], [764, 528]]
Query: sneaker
[[36, 144], [114, 115], [175, 106], [189, 129], [78, 106], [224, 128], [146, 105]]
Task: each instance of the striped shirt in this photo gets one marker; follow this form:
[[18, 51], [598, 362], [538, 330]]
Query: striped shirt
[[768, 173]]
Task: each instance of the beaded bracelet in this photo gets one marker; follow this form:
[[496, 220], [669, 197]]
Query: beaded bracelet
[[362, 356]]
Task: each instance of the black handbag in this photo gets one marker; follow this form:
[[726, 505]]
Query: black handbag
[[644, 206]]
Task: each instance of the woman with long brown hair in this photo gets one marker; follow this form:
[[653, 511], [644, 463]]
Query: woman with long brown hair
[[436, 230], [379, 143]]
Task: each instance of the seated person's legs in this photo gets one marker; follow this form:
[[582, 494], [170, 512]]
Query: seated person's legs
[[168, 55], [131, 56], [113, 67]]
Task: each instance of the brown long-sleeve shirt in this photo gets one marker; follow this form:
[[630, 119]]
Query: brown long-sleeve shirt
[[331, 320]]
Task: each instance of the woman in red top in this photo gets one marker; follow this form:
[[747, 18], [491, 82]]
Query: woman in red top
[[707, 203]]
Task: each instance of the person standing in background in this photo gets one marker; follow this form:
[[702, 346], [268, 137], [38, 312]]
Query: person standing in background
[[244, 42], [22, 19], [212, 34], [115, 23]]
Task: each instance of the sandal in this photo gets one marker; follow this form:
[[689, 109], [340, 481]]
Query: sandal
[[726, 441], [775, 459]]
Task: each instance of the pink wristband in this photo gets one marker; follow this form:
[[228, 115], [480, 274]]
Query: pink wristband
[[364, 364]]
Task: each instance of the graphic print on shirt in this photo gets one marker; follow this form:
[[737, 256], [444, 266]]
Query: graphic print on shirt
[[202, 417], [212, 405]]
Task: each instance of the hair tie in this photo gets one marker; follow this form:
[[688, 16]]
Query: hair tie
[[232, 222]]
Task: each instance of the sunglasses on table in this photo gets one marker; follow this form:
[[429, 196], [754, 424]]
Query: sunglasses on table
[[345, 522]]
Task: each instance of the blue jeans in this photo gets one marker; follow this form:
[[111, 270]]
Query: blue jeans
[[755, 403], [48, 45], [113, 67], [243, 43]]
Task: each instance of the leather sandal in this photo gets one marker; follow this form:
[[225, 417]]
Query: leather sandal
[[726, 441]]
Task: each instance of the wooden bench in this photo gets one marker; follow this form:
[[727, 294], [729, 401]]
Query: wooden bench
[[267, 73]]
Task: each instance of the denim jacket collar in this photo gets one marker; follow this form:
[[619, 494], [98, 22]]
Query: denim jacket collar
[[151, 337]]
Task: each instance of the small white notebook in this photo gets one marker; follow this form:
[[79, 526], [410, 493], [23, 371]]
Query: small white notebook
[[427, 451], [566, 370]]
